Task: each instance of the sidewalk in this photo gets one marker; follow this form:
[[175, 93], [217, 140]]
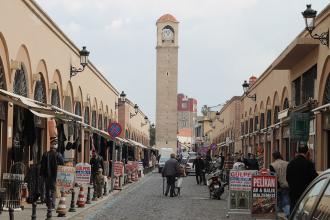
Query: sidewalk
[[42, 209]]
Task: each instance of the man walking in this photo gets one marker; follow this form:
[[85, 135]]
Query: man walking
[[49, 162], [170, 171], [96, 163], [279, 166], [300, 173], [199, 166]]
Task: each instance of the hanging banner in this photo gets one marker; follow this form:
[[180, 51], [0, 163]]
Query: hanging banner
[[264, 196], [240, 190], [83, 173], [65, 177], [118, 169]]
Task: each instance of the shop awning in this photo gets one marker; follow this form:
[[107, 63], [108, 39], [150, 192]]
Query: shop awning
[[321, 108], [94, 130], [295, 52], [137, 144], [62, 114], [38, 108]]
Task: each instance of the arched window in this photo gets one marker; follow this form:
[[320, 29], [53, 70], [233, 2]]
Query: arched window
[[94, 119], [55, 97], [77, 109], [20, 84], [326, 98], [286, 103], [86, 115]]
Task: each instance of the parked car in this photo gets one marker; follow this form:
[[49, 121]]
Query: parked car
[[189, 166], [315, 201]]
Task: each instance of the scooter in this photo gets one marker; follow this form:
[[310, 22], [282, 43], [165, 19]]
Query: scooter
[[216, 189]]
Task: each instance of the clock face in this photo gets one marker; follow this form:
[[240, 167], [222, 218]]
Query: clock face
[[167, 34]]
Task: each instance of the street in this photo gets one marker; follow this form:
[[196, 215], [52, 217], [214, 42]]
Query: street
[[145, 201]]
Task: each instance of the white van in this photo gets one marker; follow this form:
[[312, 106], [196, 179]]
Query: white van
[[165, 154]]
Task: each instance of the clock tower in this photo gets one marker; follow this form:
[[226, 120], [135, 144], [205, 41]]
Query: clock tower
[[167, 82]]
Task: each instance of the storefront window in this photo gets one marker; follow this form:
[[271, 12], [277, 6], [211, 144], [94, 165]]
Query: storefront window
[[262, 120], [86, 115], [100, 122], [94, 119], [256, 123], [55, 97], [327, 91], [308, 79], [269, 117], [20, 86]]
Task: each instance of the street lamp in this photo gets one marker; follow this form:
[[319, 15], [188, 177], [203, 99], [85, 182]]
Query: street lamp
[[146, 120], [217, 116], [246, 87], [309, 15], [122, 99], [83, 62], [136, 110]]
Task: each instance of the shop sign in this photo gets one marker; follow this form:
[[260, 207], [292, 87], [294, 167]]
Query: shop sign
[[13, 176], [286, 132], [240, 190], [118, 169], [65, 177], [83, 173], [299, 126], [283, 114], [264, 196]]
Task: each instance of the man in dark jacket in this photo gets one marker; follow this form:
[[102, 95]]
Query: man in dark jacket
[[170, 171], [96, 163], [199, 165], [300, 173], [49, 162]]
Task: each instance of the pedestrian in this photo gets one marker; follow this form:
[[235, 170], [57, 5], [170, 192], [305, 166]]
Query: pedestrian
[[170, 171], [300, 173], [96, 163], [99, 182], [48, 169], [251, 163], [199, 165], [221, 161], [279, 166], [153, 160]]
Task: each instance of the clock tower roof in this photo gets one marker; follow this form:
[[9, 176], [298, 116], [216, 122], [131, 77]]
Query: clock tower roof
[[167, 17]]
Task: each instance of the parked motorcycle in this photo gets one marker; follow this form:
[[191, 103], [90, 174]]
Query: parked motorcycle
[[216, 188]]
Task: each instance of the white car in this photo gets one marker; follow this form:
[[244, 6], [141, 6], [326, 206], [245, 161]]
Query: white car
[[189, 166]]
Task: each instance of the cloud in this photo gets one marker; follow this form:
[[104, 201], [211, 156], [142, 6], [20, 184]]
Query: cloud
[[222, 42]]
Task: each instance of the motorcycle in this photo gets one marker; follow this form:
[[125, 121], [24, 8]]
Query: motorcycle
[[216, 188]]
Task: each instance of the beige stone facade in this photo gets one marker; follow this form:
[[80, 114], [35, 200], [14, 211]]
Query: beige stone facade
[[227, 127], [35, 60], [298, 81], [167, 82]]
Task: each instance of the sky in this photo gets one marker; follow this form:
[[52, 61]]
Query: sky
[[221, 42]]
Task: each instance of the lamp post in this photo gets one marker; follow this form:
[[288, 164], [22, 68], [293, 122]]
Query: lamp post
[[121, 100], [146, 120], [136, 110], [309, 15], [246, 87], [83, 62]]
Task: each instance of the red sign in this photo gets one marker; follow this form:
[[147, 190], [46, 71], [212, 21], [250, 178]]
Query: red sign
[[118, 168], [114, 129], [264, 196]]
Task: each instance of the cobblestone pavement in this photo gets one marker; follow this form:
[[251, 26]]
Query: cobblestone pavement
[[144, 200]]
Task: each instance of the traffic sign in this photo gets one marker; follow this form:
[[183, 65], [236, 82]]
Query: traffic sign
[[114, 129]]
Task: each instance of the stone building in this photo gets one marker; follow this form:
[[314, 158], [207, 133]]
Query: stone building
[[187, 118], [35, 84], [167, 81], [227, 127], [292, 96]]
